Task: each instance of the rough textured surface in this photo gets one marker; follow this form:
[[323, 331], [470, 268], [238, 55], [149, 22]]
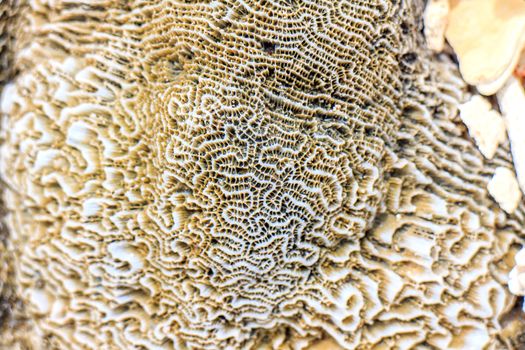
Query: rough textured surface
[[13, 325], [258, 174]]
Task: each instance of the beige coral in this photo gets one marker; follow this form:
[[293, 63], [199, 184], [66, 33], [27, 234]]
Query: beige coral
[[229, 175]]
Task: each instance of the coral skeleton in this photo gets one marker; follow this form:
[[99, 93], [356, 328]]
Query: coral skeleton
[[228, 174]]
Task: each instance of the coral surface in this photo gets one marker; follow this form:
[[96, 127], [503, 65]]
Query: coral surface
[[246, 174]]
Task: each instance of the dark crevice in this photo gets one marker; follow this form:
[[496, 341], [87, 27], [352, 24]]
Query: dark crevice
[[268, 47]]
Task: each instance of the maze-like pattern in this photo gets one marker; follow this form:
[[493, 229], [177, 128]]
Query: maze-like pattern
[[234, 174]]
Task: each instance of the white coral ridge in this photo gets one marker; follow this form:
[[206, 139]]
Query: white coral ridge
[[505, 190], [517, 275], [485, 125], [511, 100], [436, 19]]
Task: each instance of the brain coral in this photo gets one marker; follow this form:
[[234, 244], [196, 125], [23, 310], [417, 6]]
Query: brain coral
[[245, 174]]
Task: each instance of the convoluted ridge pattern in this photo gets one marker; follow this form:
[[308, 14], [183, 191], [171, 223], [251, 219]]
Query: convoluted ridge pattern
[[247, 174]]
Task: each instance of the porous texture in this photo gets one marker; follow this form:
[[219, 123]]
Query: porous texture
[[257, 174]]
